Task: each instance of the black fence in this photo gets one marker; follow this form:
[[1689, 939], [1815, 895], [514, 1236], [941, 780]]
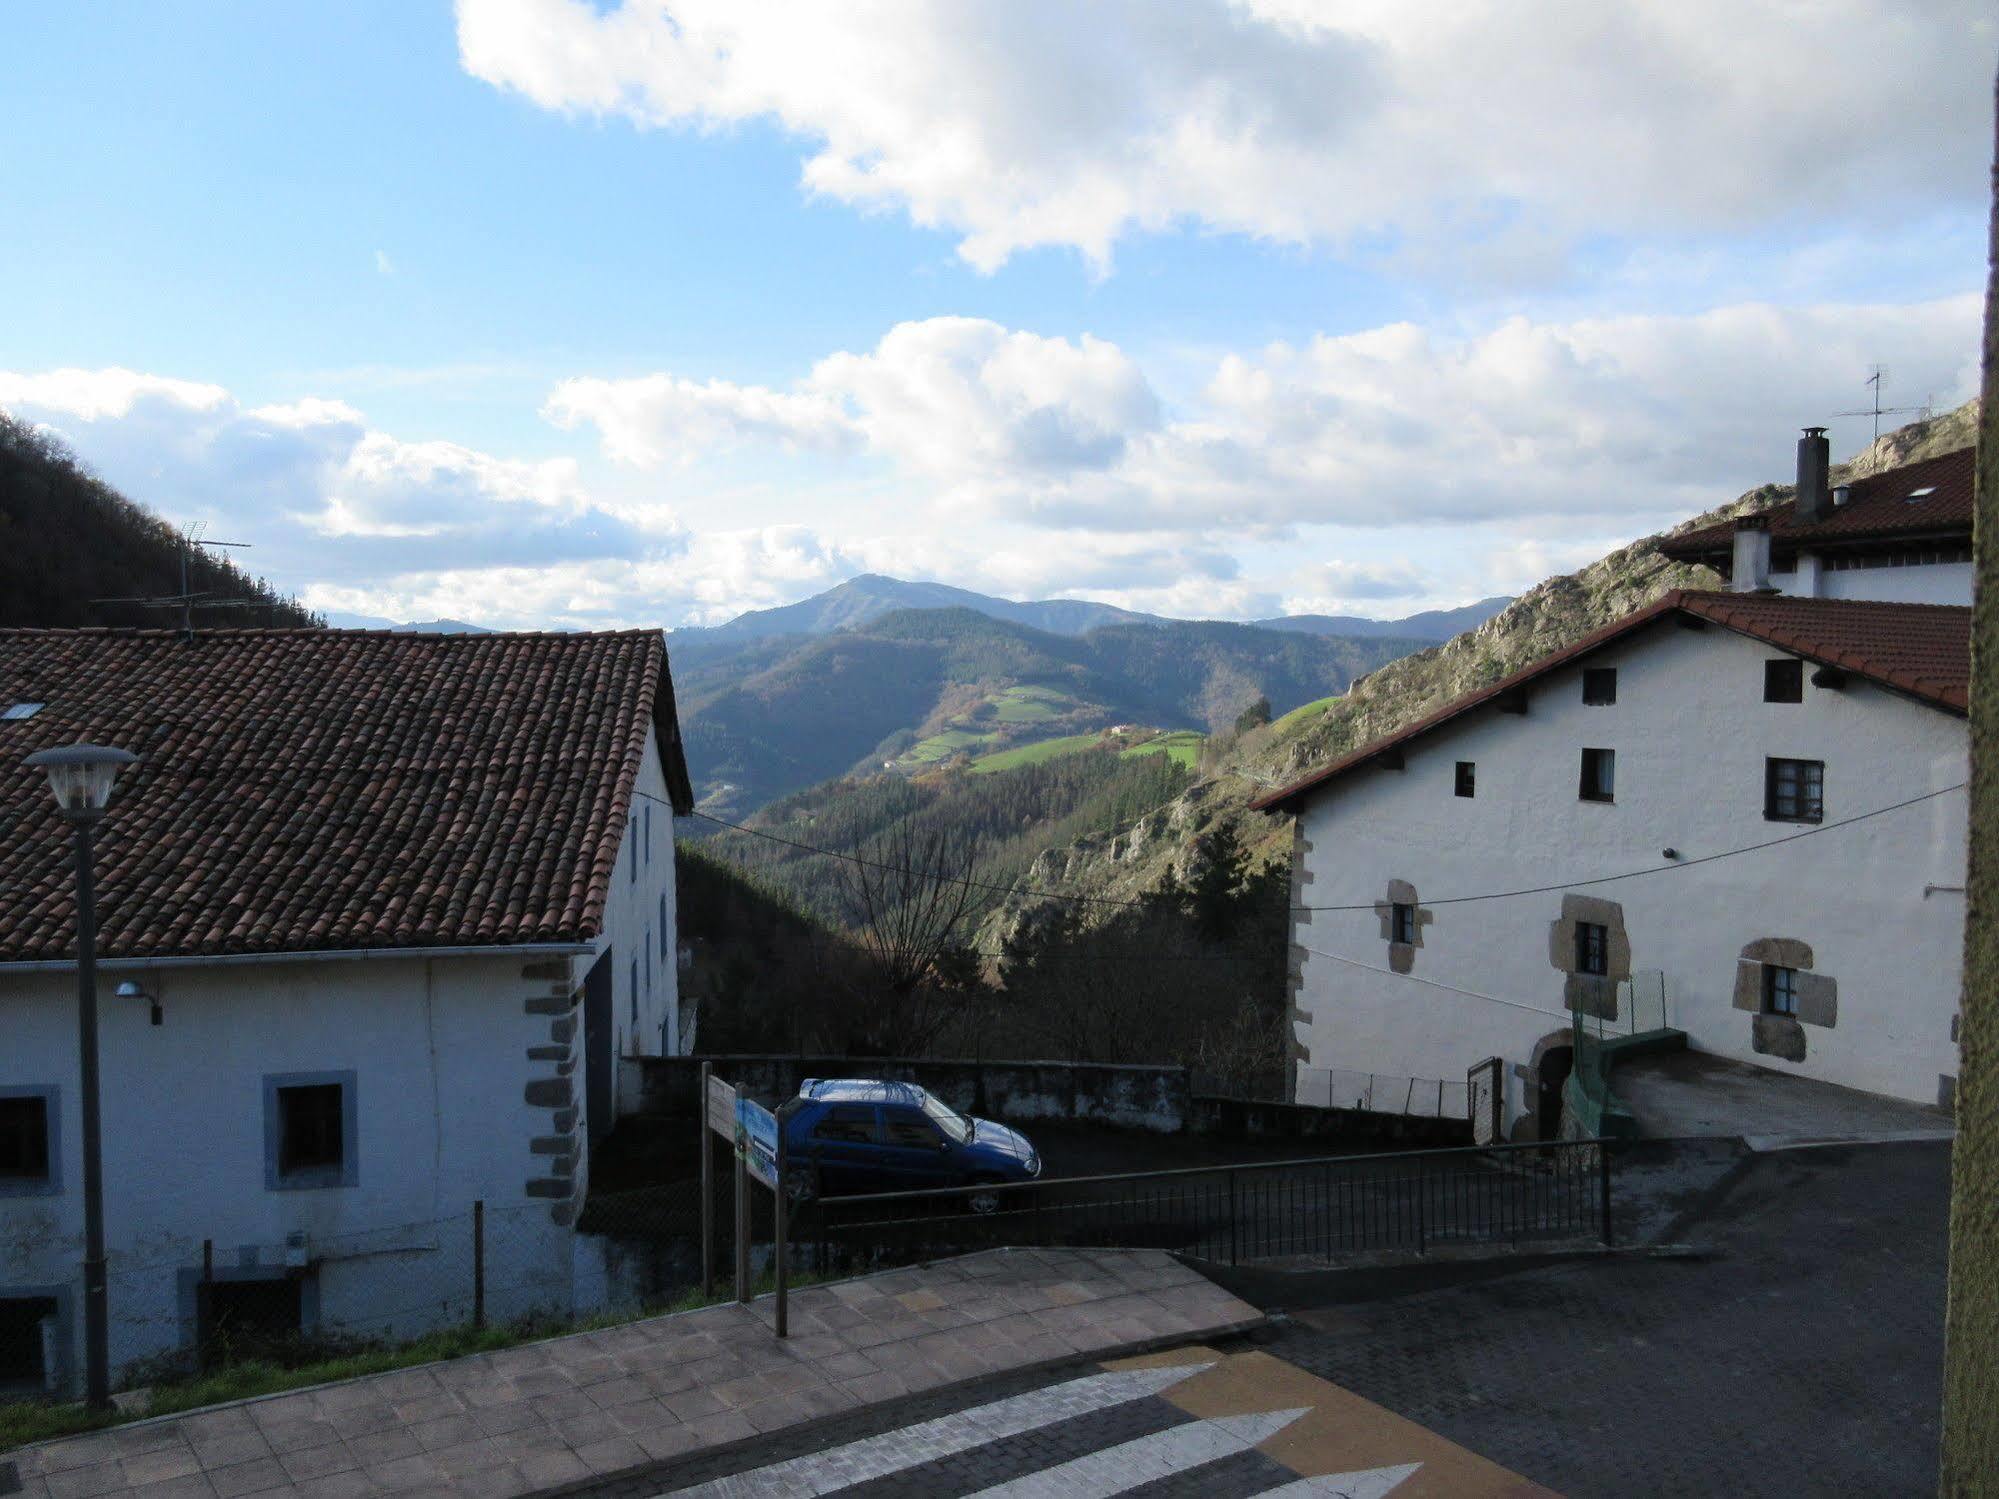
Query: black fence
[[1319, 1210]]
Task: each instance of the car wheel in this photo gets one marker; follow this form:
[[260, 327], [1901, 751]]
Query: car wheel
[[986, 1201]]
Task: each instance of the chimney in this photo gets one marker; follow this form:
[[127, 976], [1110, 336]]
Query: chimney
[[1751, 572], [1814, 460]]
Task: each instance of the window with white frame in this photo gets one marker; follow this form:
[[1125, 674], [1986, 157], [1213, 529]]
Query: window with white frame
[[1780, 990]]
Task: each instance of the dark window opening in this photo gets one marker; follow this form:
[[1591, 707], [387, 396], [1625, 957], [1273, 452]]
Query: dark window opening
[[1402, 923], [1592, 948], [24, 1341], [312, 1134], [912, 1130], [853, 1123], [1780, 990], [1599, 686], [1794, 791], [1467, 778], [1784, 681], [1599, 776], [24, 1139]]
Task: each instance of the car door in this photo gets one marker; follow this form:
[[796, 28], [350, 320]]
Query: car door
[[913, 1151], [844, 1144]]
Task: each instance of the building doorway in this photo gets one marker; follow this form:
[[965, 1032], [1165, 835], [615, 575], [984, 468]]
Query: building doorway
[[1556, 1064]]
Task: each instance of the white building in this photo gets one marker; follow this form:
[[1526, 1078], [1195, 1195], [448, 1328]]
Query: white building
[[394, 904], [1621, 786]]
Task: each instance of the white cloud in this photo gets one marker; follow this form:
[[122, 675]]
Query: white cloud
[[383, 265], [92, 395], [1633, 418], [1519, 124]]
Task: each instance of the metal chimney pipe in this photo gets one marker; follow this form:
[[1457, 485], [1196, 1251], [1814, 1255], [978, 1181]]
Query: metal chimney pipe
[[1814, 464], [1751, 570]]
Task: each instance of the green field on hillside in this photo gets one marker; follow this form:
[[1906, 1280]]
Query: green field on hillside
[[1298, 715], [1028, 704], [1035, 754], [1182, 746], [942, 746]]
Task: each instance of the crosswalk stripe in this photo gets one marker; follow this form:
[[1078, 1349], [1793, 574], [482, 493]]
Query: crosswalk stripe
[[1119, 1469], [1362, 1483], [927, 1441]]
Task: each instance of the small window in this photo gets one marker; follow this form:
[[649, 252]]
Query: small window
[[648, 835], [1924, 493], [1592, 948], [1599, 776], [1784, 681], [1599, 686], [18, 711], [1402, 923], [1794, 791], [1467, 778], [1780, 990], [633, 840], [26, 1161], [848, 1122], [310, 1130], [635, 991], [911, 1129]]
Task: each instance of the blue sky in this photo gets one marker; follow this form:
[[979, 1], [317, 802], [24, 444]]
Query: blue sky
[[542, 312]]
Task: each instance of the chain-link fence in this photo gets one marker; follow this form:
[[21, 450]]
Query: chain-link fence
[[1383, 1093], [183, 1306]]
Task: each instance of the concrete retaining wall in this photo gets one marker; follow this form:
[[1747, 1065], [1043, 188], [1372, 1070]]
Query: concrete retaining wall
[[1157, 1099]]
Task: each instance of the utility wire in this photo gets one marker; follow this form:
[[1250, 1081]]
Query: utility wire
[[1419, 979], [1449, 900]]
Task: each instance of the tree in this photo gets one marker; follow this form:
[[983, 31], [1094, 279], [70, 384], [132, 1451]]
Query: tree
[[908, 898], [1255, 716]]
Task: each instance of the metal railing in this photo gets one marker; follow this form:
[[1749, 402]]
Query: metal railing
[[1320, 1209]]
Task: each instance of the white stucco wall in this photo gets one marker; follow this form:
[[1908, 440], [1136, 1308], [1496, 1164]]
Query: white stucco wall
[[1691, 733], [438, 1053], [1931, 583], [640, 923]]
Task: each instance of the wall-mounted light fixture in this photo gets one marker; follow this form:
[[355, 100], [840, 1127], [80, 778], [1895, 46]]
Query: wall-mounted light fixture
[[132, 990]]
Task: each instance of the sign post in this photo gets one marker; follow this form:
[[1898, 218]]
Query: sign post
[[760, 1154], [718, 1113]]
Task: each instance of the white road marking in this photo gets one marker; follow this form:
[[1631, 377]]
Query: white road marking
[[912, 1446], [1368, 1483], [1119, 1469]]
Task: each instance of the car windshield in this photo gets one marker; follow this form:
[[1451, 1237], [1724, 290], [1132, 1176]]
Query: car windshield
[[955, 1125]]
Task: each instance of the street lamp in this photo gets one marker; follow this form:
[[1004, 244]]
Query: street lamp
[[81, 775]]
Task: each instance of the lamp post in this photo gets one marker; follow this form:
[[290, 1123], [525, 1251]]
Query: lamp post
[[81, 775]]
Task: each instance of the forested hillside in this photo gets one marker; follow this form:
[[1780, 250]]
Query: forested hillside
[[68, 539], [917, 688]]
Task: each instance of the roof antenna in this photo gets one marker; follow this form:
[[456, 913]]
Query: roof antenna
[[187, 600], [1878, 378]]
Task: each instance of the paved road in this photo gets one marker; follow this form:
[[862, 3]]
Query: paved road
[[1802, 1358]]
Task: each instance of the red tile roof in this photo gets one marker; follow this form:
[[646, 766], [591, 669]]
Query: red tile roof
[[1881, 510], [318, 790], [1920, 650]]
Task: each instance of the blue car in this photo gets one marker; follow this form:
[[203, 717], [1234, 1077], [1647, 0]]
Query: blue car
[[849, 1135]]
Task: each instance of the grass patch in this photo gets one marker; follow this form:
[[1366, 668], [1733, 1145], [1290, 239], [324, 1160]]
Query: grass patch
[[41, 1421], [942, 746], [1183, 746], [1028, 704], [1034, 754], [1304, 711]]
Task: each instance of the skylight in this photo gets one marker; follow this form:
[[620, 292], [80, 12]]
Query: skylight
[[1922, 494], [21, 710]]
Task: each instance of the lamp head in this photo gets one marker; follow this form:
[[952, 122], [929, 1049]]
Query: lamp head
[[81, 776]]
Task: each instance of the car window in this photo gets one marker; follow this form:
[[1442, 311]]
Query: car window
[[911, 1128], [849, 1121], [948, 1119]]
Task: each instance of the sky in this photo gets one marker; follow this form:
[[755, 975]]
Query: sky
[[544, 313]]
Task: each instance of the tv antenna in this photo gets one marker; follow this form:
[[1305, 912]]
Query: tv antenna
[[1876, 379], [188, 600]]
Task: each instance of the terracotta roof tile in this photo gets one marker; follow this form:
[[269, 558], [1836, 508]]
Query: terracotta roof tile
[[1884, 507], [1920, 650], [304, 790]]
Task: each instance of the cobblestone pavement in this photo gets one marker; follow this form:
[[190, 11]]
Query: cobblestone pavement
[[554, 1413], [1803, 1357]]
